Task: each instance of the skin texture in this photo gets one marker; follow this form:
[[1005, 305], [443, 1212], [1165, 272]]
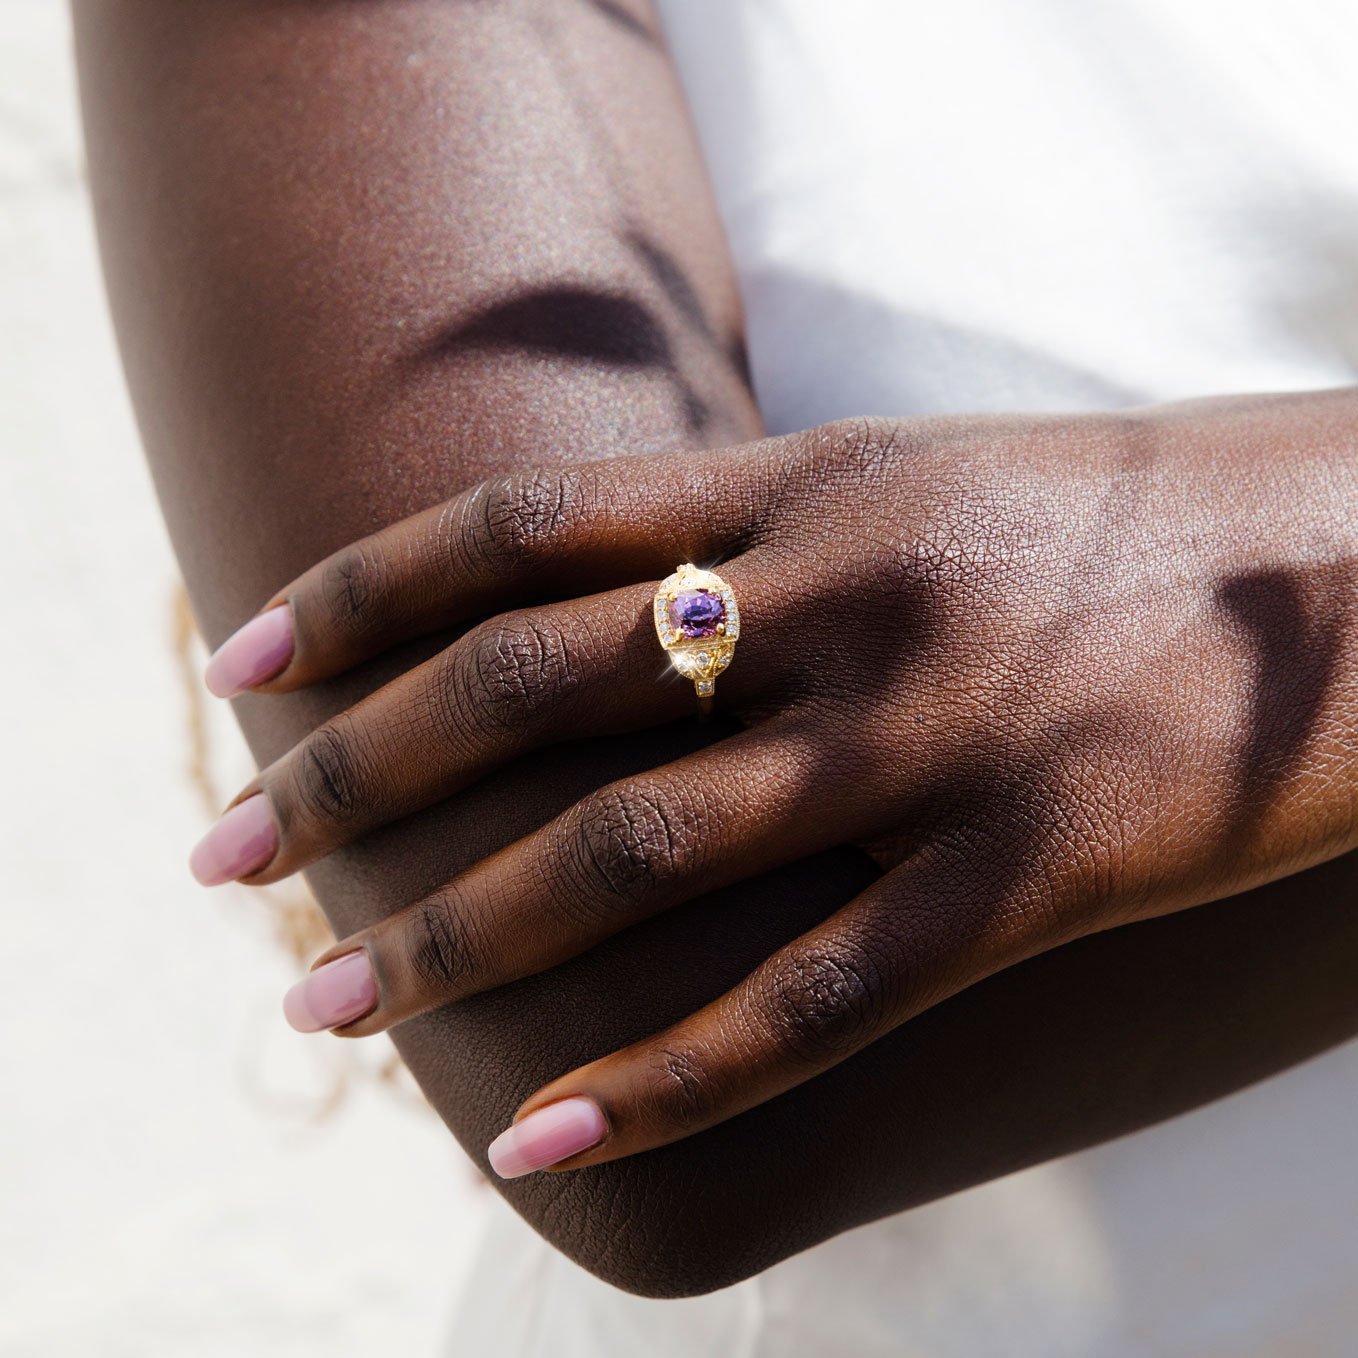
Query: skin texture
[[362, 257], [1053, 675]]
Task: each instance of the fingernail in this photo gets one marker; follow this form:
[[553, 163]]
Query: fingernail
[[337, 993], [240, 843], [253, 654], [549, 1135]]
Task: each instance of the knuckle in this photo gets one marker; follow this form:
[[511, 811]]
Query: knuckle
[[438, 947], [353, 586], [518, 520], [869, 443], [517, 672], [828, 999], [634, 840], [676, 1090], [329, 777], [861, 452]]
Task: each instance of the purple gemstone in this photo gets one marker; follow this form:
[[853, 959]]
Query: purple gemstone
[[696, 613]]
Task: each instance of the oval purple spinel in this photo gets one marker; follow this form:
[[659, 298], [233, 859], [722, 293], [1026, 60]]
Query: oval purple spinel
[[696, 612]]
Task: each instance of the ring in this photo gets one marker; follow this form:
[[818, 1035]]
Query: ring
[[697, 621]]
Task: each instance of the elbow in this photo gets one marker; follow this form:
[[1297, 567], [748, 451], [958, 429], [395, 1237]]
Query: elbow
[[666, 1224]]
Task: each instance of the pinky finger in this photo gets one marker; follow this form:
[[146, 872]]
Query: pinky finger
[[915, 937]]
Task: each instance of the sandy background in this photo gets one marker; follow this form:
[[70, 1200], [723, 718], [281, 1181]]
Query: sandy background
[[167, 1183]]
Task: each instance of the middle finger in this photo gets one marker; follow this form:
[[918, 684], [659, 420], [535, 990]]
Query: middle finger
[[519, 681]]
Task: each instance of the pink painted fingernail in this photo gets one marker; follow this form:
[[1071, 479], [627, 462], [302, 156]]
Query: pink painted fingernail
[[240, 843], [549, 1135], [251, 655], [337, 993]]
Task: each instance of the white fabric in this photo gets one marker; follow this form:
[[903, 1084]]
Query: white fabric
[[988, 205], [1047, 205]]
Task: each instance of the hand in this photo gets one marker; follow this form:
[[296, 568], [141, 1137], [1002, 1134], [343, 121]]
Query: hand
[[1054, 675]]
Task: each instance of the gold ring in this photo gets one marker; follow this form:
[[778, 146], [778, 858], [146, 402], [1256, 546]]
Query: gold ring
[[697, 621]]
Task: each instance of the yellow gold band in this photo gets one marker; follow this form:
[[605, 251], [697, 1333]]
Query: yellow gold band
[[698, 622]]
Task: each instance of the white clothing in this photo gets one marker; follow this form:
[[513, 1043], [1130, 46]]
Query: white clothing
[[1046, 205]]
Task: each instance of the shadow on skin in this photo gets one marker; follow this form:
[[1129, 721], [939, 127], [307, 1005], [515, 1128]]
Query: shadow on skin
[[1072, 1048], [585, 325], [569, 322], [666, 273], [589, 325], [622, 18], [1296, 621], [1076, 1046]]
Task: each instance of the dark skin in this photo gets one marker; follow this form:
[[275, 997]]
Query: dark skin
[[352, 279]]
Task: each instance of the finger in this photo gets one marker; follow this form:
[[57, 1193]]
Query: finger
[[915, 937], [635, 847], [519, 538], [518, 682]]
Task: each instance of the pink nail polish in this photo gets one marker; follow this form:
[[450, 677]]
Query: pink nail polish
[[253, 654], [337, 993], [549, 1135], [240, 843]]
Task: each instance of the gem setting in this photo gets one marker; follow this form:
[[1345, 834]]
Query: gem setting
[[696, 613], [698, 622]]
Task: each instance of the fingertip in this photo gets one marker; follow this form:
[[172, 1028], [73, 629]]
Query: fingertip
[[253, 654], [244, 840], [546, 1136], [339, 992]]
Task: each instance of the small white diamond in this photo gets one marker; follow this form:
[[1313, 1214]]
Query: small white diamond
[[701, 658]]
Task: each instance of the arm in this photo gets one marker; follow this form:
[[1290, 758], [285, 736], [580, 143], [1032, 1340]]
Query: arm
[[362, 256]]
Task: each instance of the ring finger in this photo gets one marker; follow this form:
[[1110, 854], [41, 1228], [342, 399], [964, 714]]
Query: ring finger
[[519, 681]]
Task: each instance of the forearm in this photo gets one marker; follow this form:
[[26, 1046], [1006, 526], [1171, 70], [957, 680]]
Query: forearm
[[335, 235], [309, 215], [1265, 489]]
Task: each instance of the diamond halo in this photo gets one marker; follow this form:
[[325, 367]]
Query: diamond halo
[[697, 621]]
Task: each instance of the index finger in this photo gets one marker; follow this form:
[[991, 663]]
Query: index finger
[[521, 538]]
